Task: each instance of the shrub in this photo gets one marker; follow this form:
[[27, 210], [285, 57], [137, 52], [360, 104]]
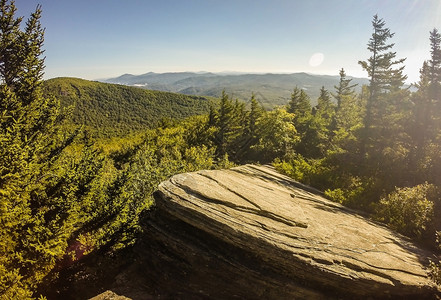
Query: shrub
[[408, 210]]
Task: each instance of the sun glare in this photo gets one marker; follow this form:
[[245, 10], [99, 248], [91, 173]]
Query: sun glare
[[316, 59]]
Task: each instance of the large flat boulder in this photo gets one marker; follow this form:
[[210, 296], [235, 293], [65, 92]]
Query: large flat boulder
[[250, 232]]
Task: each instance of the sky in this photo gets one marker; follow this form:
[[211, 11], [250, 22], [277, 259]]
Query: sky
[[97, 39]]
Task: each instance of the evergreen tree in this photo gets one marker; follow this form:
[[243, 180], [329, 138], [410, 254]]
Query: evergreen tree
[[435, 62], [344, 87], [229, 121], [434, 81], [47, 194], [249, 136], [347, 113], [321, 122], [426, 126], [428, 97], [325, 108], [11, 50], [299, 104], [29, 144], [384, 77], [255, 113], [384, 142]]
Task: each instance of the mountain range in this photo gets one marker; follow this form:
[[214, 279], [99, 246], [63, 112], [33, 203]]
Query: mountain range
[[270, 89]]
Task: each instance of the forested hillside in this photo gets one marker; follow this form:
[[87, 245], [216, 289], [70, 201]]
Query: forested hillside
[[66, 194], [115, 110]]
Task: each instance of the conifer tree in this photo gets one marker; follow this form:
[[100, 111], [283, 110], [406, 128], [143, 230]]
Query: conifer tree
[[434, 80], [28, 145], [325, 108], [426, 125], [249, 138], [384, 141], [255, 113], [344, 87], [45, 193], [299, 103], [435, 61], [310, 127], [229, 121], [347, 112], [386, 78], [384, 73], [321, 121]]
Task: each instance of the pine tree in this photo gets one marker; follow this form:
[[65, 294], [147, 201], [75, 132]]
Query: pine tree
[[255, 113], [347, 113], [11, 51], [434, 73], [249, 132], [344, 88], [325, 107], [40, 203], [434, 81], [27, 152], [321, 122], [384, 141], [299, 103], [384, 77], [426, 125], [229, 121]]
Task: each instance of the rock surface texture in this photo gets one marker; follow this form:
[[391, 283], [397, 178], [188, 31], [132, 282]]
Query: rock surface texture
[[252, 233]]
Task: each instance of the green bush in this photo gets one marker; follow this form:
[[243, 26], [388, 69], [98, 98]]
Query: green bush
[[408, 210]]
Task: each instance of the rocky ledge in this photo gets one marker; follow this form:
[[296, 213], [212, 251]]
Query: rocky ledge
[[252, 233]]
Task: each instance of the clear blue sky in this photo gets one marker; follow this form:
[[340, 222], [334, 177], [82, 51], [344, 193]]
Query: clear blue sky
[[94, 39]]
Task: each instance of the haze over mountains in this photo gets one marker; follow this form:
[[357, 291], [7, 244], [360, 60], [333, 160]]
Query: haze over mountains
[[270, 89]]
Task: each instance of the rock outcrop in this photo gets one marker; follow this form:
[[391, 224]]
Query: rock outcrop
[[252, 233]]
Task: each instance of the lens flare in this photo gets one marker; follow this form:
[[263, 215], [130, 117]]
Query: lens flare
[[316, 59]]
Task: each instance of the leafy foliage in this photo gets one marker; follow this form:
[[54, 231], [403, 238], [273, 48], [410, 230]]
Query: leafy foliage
[[408, 210]]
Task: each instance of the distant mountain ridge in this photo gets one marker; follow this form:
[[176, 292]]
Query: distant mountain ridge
[[270, 89]]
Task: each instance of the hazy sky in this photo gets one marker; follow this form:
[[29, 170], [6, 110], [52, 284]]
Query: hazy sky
[[94, 39]]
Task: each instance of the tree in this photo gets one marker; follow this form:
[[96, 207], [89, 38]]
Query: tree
[[435, 61], [10, 49], [344, 88], [434, 82], [384, 77], [325, 108], [426, 119], [29, 146], [249, 136], [255, 113], [300, 104], [47, 193], [276, 134], [229, 121], [347, 118], [383, 137], [319, 138]]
